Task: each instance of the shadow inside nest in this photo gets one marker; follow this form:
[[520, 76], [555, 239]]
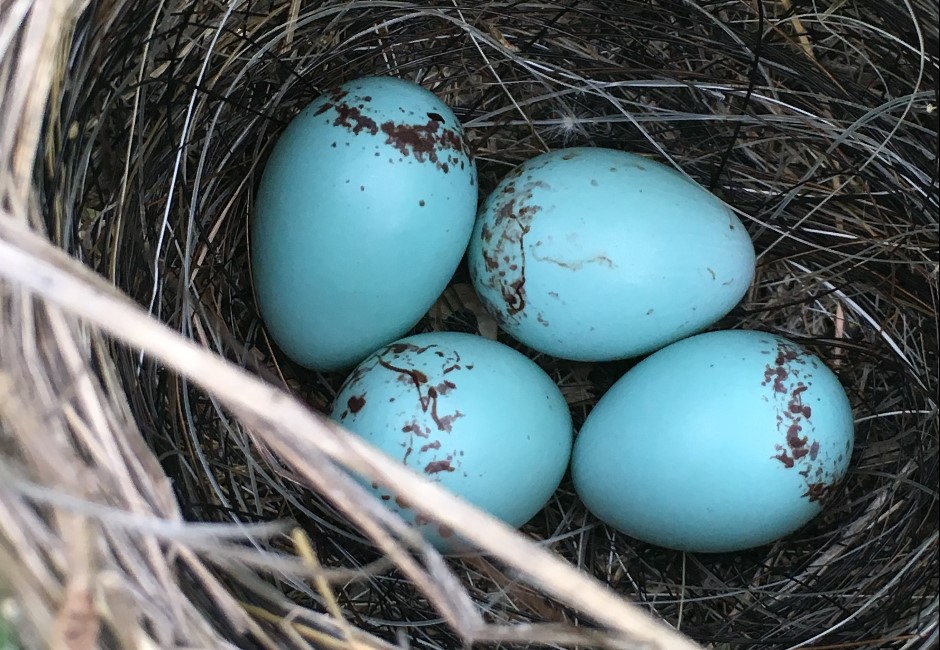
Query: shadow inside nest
[[811, 128]]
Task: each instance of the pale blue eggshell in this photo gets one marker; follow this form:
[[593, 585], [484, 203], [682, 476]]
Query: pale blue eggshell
[[596, 254], [472, 414], [720, 442], [362, 215]]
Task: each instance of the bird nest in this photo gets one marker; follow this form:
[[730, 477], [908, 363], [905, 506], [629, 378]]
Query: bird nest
[[164, 476]]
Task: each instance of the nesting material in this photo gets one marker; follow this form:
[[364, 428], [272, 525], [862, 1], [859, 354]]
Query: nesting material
[[145, 480]]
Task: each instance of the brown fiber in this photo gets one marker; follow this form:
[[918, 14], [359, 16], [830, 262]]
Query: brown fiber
[[155, 493]]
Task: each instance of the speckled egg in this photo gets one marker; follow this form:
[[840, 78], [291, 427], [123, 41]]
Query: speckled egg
[[362, 215], [596, 254], [472, 414], [720, 442]]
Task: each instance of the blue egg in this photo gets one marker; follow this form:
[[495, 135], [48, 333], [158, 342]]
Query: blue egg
[[596, 254], [720, 442], [469, 413], [362, 215]]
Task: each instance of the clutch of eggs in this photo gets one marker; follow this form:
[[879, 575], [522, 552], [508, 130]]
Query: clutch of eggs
[[720, 442], [472, 414], [364, 207], [717, 442], [593, 254]]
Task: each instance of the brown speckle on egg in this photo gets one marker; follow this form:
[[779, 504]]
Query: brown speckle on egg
[[512, 222], [437, 466], [816, 492], [424, 141], [793, 416], [351, 118], [356, 402]]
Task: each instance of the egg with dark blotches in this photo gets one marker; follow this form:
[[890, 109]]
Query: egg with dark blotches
[[472, 414], [594, 254], [720, 442], [364, 207]]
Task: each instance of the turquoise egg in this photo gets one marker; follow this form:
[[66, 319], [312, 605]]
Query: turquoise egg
[[720, 442], [596, 254], [362, 215], [469, 413]]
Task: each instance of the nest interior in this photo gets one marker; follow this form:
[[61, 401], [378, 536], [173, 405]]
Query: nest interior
[[816, 121]]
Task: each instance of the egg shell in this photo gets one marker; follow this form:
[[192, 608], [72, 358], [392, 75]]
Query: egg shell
[[364, 209], [469, 413], [596, 254], [720, 442]]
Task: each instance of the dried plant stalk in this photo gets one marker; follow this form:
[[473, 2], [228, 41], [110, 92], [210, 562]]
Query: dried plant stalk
[[155, 493]]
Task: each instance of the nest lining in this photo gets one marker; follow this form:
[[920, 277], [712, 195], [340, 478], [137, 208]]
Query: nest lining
[[814, 122]]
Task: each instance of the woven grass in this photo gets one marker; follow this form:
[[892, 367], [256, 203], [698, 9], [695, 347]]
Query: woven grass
[[164, 478]]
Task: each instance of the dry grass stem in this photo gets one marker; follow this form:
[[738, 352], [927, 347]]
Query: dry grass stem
[[166, 476]]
